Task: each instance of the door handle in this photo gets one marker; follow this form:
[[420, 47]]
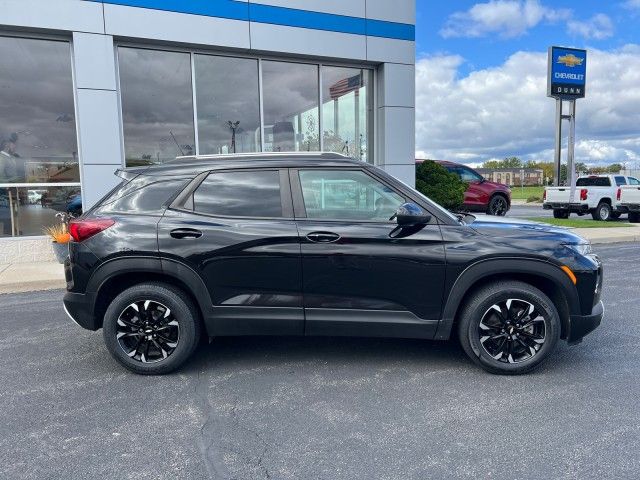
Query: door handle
[[186, 233], [323, 237]]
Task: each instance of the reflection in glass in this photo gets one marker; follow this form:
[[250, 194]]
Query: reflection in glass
[[38, 133], [228, 100], [290, 102], [157, 105], [347, 195], [240, 194], [346, 111], [27, 210]]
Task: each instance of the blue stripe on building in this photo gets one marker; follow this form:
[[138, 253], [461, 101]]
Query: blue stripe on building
[[290, 17]]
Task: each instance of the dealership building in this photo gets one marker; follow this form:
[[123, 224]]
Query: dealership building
[[89, 86]]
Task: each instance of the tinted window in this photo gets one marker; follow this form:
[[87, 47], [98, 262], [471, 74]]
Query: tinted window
[[593, 182], [620, 181], [468, 175], [347, 194], [157, 105], [291, 114], [634, 181], [144, 194], [228, 104], [240, 194]]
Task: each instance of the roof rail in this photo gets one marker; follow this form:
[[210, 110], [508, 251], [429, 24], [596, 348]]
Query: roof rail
[[222, 156]]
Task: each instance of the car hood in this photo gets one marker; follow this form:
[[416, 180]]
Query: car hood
[[524, 229]]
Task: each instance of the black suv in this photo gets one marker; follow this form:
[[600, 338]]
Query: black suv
[[317, 244]]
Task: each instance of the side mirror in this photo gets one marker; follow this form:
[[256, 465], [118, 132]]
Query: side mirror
[[411, 215]]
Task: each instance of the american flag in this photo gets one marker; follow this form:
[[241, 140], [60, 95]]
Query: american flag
[[345, 86]]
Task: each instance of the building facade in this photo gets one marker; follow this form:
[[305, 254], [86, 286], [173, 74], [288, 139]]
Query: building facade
[[89, 86], [513, 176]]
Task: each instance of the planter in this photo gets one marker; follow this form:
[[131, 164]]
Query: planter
[[61, 251]]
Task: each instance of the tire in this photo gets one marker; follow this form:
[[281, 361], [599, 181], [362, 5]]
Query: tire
[[602, 212], [171, 339], [498, 206], [634, 217], [502, 356], [561, 214], [615, 215]]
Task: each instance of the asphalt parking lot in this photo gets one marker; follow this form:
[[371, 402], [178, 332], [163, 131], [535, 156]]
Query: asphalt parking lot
[[319, 408]]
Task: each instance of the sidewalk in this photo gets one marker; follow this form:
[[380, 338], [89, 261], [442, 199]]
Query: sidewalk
[[26, 277]]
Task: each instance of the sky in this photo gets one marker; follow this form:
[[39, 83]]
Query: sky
[[481, 79]]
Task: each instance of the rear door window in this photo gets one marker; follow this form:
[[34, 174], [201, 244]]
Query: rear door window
[[621, 181], [593, 182], [634, 181], [246, 193]]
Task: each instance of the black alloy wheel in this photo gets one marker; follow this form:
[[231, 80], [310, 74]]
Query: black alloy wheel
[[151, 328], [512, 331], [508, 327], [498, 206], [147, 331]]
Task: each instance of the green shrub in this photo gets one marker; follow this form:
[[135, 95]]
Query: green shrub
[[534, 198], [441, 186]]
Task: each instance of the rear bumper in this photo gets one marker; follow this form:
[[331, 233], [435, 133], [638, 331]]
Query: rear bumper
[[79, 307], [572, 207], [581, 325]]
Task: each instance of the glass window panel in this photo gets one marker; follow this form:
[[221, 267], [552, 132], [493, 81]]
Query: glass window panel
[[157, 105], [227, 96], [347, 111], [291, 118], [347, 195], [38, 140], [240, 194], [27, 210]]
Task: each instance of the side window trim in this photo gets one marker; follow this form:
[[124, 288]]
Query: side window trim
[[300, 211], [184, 201]]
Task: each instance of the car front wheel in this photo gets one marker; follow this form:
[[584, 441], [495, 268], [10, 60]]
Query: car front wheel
[[509, 327], [151, 328], [498, 206]]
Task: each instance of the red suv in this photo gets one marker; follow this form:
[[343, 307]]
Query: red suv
[[481, 195]]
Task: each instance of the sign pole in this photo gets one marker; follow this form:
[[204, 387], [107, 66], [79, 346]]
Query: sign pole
[[571, 169], [558, 153]]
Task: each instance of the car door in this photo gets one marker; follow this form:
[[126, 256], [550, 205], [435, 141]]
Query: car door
[[359, 276], [235, 229]]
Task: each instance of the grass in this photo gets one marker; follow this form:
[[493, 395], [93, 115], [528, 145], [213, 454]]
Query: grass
[[578, 223], [522, 193]]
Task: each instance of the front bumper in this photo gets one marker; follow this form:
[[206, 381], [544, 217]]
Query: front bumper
[[79, 307], [581, 325]]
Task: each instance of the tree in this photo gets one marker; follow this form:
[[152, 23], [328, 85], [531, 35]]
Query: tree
[[441, 186], [509, 162], [615, 168]]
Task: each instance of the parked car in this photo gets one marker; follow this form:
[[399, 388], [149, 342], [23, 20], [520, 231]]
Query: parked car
[[629, 199], [317, 244], [594, 194], [481, 195]]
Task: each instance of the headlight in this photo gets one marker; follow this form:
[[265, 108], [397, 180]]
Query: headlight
[[581, 248]]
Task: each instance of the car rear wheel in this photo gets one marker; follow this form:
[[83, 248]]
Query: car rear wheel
[[498, 206], [151, 328], [602, 212], [561, 213], [634, 217], [509, 327]]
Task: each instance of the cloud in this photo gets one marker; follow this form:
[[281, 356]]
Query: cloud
[[632, 4], [508, 18], [597, 27], [503, 111]]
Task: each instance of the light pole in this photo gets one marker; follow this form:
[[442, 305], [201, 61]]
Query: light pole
[[233, 126]]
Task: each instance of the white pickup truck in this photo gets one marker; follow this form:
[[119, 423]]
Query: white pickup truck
[[594, 194], [629, 200]]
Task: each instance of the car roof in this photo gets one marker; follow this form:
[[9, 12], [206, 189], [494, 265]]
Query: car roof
[[441, 162], [196, 164]]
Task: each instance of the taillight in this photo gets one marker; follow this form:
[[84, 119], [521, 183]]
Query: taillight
[[544, 195], [583, 193], [619, 194], [80, 230]]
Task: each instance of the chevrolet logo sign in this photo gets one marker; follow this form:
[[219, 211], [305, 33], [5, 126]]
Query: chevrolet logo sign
[[570, 60]]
